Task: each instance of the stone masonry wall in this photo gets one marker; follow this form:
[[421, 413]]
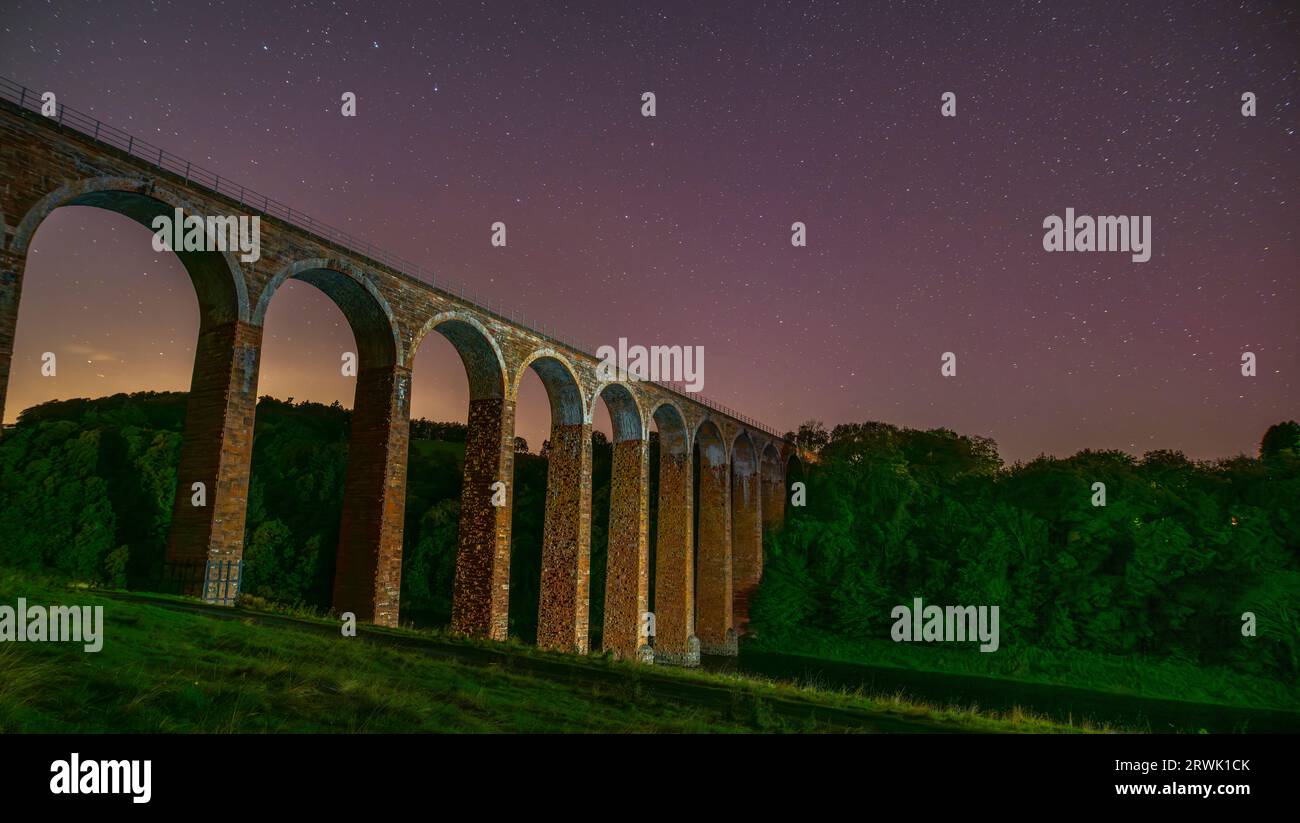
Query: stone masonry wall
[[773, 487], [627, 576], [367, 578], [566, 542], [217, 449], [746, 542], [714, 599], [481, 595], [675, 641]]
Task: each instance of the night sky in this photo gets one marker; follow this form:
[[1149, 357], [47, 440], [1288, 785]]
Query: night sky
[[924, 232]]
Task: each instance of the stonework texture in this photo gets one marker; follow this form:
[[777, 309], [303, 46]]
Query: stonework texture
[[481, 594], [367, 579], [566, 542], [217, 447], [774, 491], [674, 581], [713, 609], [627, 580], [746, 541]]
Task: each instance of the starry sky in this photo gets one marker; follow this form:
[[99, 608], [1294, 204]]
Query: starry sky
[[924, 232]]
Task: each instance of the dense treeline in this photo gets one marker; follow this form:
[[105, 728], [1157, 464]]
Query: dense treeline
[[97, 478], [1165, 568], [86, 486]]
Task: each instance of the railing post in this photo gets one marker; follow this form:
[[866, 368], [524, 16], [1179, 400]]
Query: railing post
[[130, 143]]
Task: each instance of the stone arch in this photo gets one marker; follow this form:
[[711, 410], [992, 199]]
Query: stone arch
[[563, 388], [483, 527], [627, 557], [368, 560], [481, 590], [674, 437], [713, 446], [368, 313], [216, 439], [485, 367], [217, 277], [624, 411], [563, 601], [744, 455]]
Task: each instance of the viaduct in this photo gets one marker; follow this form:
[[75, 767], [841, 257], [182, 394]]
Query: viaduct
[[70, 159]]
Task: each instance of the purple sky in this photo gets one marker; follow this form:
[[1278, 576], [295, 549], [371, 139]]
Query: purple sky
[[924, 233]]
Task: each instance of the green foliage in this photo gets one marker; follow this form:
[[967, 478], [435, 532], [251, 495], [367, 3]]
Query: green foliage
[[66, 502], [528, 517], [171, 667], [99, 477], [429, 565], [1165, 569], [1281, 439]]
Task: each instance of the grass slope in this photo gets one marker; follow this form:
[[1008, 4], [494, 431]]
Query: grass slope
[[1111, 674], [173, 665]]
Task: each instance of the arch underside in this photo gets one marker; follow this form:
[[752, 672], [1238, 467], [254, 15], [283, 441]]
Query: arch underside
[[368, 315], [482, 361], [218, 281], [624, 411], [562, 391], [671, 426]]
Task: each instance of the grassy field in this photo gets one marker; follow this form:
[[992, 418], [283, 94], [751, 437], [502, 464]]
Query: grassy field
[[1130, 676], [174, 665]]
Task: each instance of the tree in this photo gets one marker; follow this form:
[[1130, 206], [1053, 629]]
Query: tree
[[1281, 439], [812, 435]]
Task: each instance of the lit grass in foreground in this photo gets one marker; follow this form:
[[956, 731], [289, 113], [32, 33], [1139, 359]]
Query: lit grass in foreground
[[173, 665]]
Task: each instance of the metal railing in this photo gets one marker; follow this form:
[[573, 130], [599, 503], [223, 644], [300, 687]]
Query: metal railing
[[101, 132], [215, 581]]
